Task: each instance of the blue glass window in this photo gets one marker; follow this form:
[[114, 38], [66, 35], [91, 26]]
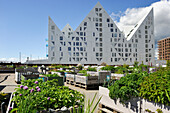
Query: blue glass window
[[69, 48], [61, 38]]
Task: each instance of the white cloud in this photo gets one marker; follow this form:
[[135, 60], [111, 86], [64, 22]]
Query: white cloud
[[161, 18]]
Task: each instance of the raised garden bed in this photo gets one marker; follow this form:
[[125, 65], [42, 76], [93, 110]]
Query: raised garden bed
[[36, 96], [134, 105]]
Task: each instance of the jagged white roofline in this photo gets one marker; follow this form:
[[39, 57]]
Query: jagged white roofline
[[136, 27], [67, 26]]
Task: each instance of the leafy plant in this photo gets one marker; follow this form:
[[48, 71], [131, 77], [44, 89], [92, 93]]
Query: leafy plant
[[156, 87], [121, 70], [127, 87], [108, 68], [83, 71], [89, 106], [2, 97], [37, 95], [52, 75], [91, 69]]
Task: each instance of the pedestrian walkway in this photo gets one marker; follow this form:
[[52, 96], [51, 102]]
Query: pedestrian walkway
[[8, 85], [89, 94]]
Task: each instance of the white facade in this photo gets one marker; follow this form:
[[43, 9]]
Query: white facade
[[97, 39]]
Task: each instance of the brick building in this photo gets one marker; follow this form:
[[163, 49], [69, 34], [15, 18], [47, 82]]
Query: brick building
[[164, 49]]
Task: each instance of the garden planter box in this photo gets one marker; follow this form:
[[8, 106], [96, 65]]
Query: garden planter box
[[78, 79], [60, 80], [70, 78], [89, 80], [135, 105], [7, 70], [102, 76], [26, 77], [92, 73]]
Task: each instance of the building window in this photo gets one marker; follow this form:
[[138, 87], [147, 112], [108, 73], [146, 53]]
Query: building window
[[51, 37], [101, 49], [84, 38], [101, 54], [136, 40], [108, 20], [85, 23], [97, 54], [61, 53], [81, 33], [115, 59], [100, 34], [146, 45], [111, 30], [61, 38], [100, 24], [139, 31], [77, 53], [119, 45], [77, 43], [81, 48], [120, 36], [77, 38], [69, 48], [115, 35], [111, 25], [96, 44], [100, 14], [60, 48], [100, 44], [93, 34], [115, 30], [52, 27], [100, 39], [96, 24], [126, 50]]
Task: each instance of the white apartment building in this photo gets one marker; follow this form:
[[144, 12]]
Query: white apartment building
[[98, 39]]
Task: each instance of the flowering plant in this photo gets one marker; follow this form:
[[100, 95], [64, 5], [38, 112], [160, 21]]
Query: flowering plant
[[36, 95]]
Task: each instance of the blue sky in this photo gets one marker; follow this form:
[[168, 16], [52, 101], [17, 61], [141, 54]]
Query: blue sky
[[24, 23]]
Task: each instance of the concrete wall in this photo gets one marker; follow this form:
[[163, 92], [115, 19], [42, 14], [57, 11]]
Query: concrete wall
[[135, 105]]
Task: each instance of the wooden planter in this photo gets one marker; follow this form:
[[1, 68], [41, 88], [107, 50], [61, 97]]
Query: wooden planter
[[70, 78], [103, 76], [26, 77], [135, 105]]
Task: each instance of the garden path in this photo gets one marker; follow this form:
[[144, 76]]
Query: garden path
[[89, 94], [8, 84]]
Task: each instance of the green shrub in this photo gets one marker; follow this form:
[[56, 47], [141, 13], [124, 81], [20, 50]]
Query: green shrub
[[91, 69], [121, 70], [127, 87], [83, 71], [156, 87], [108, 68], [36, 95], [52, 75]]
